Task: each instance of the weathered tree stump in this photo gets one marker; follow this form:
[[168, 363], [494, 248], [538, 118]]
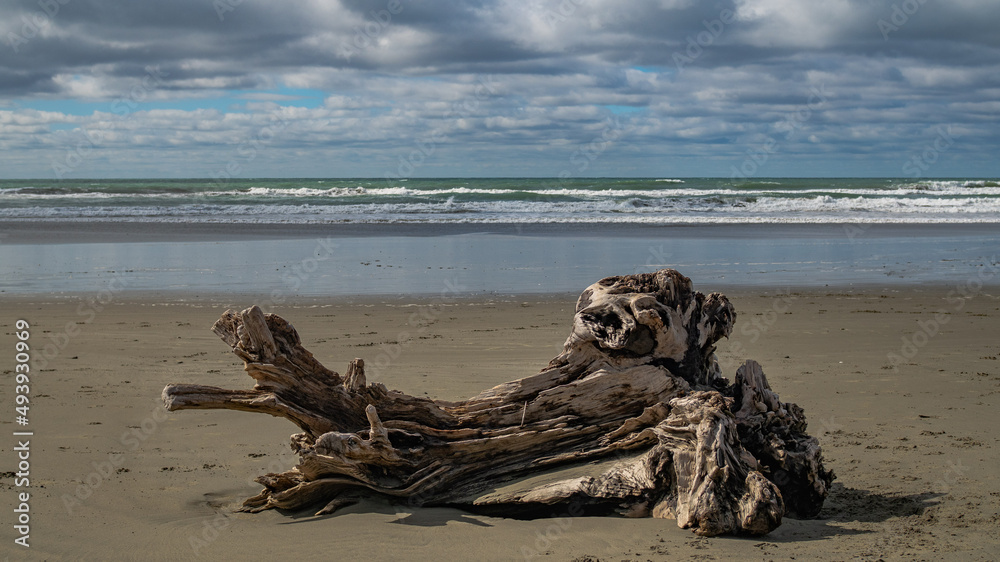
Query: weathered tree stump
[[635, 404]]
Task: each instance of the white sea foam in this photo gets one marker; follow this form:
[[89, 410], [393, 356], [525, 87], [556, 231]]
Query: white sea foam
[[937, 188], [819, 208], [528, 201]]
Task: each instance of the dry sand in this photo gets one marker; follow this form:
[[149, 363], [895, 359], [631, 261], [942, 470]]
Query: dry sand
[[915, 448]]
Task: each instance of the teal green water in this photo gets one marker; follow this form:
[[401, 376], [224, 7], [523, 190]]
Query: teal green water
[[508, 200]]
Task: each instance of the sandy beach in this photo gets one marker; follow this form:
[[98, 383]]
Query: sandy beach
[[909, 428], [432, 188]]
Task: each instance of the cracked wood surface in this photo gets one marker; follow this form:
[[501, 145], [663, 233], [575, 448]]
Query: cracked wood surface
[[636, 388]]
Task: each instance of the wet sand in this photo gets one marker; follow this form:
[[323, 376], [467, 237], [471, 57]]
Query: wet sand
[[283, 261], [98, 231], [901, 386]]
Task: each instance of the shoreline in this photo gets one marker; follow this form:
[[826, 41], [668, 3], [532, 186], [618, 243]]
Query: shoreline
[[337, 262], [31, 232], [201, 299], [248, 297]]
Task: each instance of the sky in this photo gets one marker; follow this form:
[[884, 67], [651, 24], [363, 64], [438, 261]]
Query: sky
[[449, 88]]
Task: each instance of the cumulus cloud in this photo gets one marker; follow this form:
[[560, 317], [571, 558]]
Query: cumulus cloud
[[495, 87]]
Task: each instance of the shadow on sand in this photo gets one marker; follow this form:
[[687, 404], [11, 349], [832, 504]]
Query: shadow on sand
[[844, 505], [850, 505]]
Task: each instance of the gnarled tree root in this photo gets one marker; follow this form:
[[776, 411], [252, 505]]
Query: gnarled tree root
[[636, 390]]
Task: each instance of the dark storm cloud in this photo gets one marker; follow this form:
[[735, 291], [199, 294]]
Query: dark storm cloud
[[95, 37], [704, 78]]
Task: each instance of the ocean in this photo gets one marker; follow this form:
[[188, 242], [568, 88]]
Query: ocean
[[650, 201], [502, 236]]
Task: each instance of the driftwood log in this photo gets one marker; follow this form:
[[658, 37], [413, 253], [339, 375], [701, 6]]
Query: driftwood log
[[633, 417]]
